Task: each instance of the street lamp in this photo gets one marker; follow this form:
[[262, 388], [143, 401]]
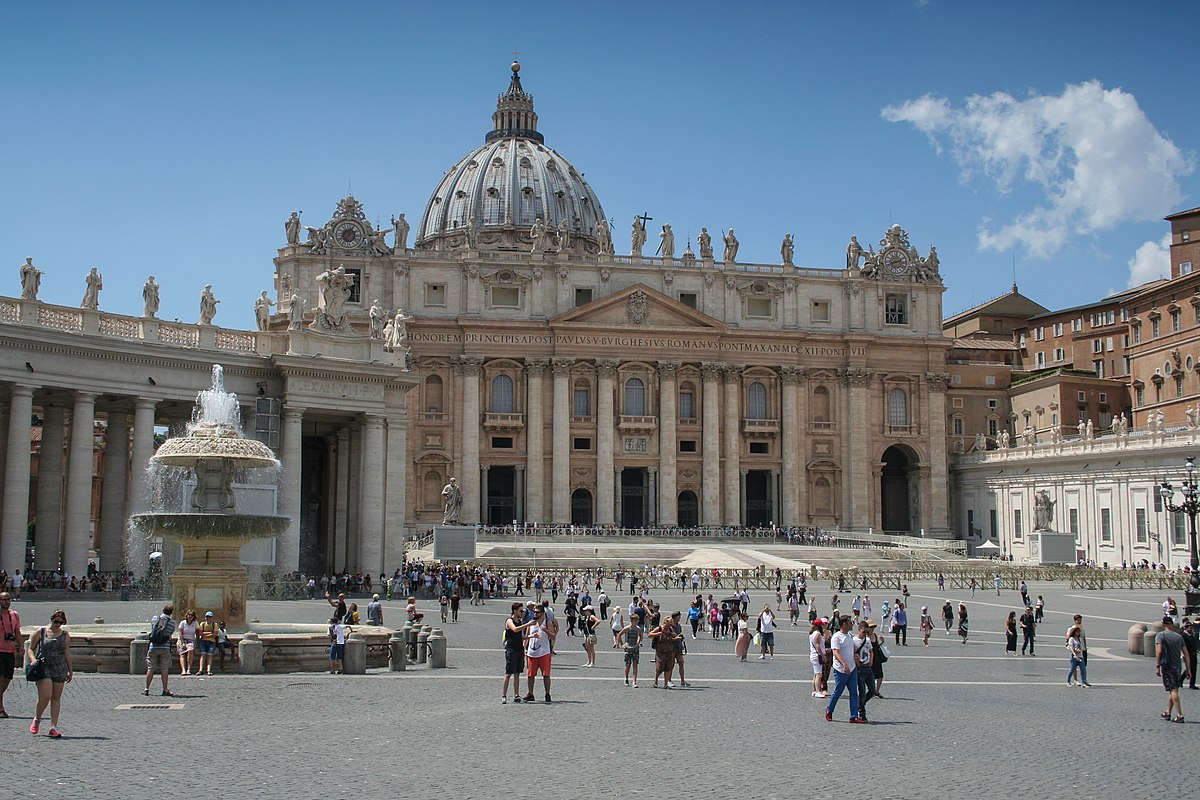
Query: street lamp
[[1191, 507]]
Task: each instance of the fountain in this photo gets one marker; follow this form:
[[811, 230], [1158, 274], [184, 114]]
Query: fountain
[[211, 576]]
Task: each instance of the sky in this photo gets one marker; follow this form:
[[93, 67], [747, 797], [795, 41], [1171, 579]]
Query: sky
[[1041, 140]]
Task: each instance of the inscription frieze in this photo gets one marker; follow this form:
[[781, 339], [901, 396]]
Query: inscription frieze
[[648, 342]]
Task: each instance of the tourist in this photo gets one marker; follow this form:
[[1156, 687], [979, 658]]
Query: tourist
[[351, 617], [742, 645], [900, 623], [375, 611], [11, 642], [158, 657], [974, 585], [766, 632], [443, 603], [714, 620], [1077, 622], [207, 634], [904, 593], [631, 637], [1010, 634], [617, 624], [885, 614], [187, 642], [337, 646], [1190, 643], [856, 607], [514, 655], [948, 616], [588, 623], [455, 604], [816, 655], [663, 636], [997, 582], [51, 647], [538, 652], [1170, 666], [694, 617], [880, 655], [842, 648], [864, 657], [1028, 630], [963, 628], [941, 579], [224, 645], [410, 612], [866, 605], [1075, 649], [680, 645], [1025, 594], [926, 624], [551, 625], [1039, 609], [339, 605], [602, 600], [793, 610]]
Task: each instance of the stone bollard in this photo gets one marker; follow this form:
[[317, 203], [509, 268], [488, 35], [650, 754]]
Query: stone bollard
[[410, 641], [138, 649], [437, 649], [98, 621], [422, 646], [1134, 639], [250, 655], [397, 654], [356, 655], [1148, 639]]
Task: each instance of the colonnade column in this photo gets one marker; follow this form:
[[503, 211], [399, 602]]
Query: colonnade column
[[938, 522], [396, 494], [355, 510], [668, 506], [16, 479], [535, 447], [732, 500], [791, 445], [287, 553], [710, 446], [857, 430], [606, 371], [370, 552], [519, 493], [49, 489], [112, 500], [468, 477], [341, 527], [485, 489], [139, 463], [77, 528], [560, 479]]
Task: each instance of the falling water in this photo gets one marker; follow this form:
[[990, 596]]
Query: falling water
[[215, 406]]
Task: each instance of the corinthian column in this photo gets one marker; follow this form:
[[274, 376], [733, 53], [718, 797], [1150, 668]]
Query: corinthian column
[[77, 530], [49, 489], [668, 505], [535, 445], [792, 446], [112, 502], [287, 552], [732, 500], [858, 436], [606, 370], [370, 548], [468, 473], [16, 479], [560, 480], [710, 445]]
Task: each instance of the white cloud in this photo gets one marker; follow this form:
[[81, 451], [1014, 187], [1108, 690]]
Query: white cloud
[[1091, 152], [1152, 260]]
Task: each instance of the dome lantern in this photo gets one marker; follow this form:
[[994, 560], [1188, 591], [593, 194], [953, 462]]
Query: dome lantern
[[514, 115]]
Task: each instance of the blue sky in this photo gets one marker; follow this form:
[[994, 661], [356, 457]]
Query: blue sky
[[173, 139]]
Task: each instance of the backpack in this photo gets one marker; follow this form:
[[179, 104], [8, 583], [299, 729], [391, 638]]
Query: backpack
[[159, 635]]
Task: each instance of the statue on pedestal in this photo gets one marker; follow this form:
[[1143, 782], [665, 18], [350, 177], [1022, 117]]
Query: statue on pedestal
[[296, 312], [854, 253], [401, 226], [292, 228], [731, 247], [639, 237], [331, 307], [377, 245], [788, 250], [1043, 511], [452, 499], [668, 242], [31, 280], [396, 332], [91, 295], [704, 240], [208, 305], [150, 298], [377, 315], [564, 235], [262, 310], [538, 234], [604, 237]]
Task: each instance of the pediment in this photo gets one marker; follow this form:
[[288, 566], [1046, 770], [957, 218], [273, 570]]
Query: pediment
[[639, 306]]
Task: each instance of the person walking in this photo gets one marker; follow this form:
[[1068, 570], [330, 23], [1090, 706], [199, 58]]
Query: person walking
[[1077, 622], [766, 632], [663, 636], [842, 648], [816, 654], [1170, 666], [51, 648], [12, 641], [1190, 643], [1039, 609], [963, 625], [680, 646], [158, 657], [694, 617], [631, 638], [941, 579], [864, 657], [879, 655], [926, 624], [514, 651], [742, 645], [794, 610], [375, 611], [1028, 630], [1010, 634], [1075, 649], [538, 653], [588, 623], [900, 624], [948, 616], [617, 621]]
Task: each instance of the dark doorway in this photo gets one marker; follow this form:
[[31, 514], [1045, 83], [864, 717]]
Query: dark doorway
[[581, 507], [689, 509], [501, 495], [758, 498], [633, 497], [894, 491]]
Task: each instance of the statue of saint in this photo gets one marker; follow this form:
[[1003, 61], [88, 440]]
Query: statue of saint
[[854, 252], [400, 225], [705, 242], [318, 240], [335, 291], [292, 227], [377, 315], [788, 250], [296, 312], [377, 245], [1190, 413], [639, 237], [91, 295], [1043, 511], [31, 280], [932, 262], [668, 242], [262, 310], [604, 237], [150, 298], [452, 499], [208, 305], [538, 233], [564, 235], [399, 332], [731, 247]]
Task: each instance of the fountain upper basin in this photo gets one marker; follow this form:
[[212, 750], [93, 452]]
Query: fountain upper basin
[[215, 442]]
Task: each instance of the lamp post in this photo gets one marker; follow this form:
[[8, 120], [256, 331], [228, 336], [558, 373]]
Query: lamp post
[[1191, 507]]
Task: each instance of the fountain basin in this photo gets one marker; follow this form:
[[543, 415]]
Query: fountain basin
[[242, 527], [215, 442]]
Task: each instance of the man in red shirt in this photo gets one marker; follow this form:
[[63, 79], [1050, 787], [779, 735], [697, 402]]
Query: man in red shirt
[[11, 643]]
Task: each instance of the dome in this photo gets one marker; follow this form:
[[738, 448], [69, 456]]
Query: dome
[[491, 198]]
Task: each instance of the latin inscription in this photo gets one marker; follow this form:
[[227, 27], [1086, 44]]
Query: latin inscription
[[361, 391], [637, 445], [643, 342]]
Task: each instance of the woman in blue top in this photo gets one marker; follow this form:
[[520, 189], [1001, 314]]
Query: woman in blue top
[[900, 624]]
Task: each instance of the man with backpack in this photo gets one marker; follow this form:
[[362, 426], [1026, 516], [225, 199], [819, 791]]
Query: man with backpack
[[158, 657]]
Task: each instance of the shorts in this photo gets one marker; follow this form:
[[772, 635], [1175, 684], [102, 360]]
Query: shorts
[[8, 663], [540, 664], [816, 665], [632, 657], [207, 648], [514, 661], [1172, 679], [158, 661], [337, 652], [768, 639]]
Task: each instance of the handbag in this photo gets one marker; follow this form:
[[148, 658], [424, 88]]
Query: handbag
[[37, 670]]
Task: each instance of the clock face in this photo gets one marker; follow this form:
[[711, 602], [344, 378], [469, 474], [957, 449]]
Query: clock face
[[347, 234], [895, 261]]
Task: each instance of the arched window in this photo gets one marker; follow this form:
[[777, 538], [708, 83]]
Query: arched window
[[820, 405], [756, 407], [433, 394], [635, 398], [502, 394], [897, 407]]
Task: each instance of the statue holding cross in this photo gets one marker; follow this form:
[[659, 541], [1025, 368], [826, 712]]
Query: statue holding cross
[[639, 234]]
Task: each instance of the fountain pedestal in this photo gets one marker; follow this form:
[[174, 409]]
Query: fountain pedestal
[[211, 578]]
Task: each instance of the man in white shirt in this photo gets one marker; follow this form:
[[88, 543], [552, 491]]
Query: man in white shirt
[[537, 652], [844, 674]]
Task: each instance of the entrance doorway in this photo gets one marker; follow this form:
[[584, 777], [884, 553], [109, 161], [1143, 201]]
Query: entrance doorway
[[634, 492], [758, 498], [581, 507], [895, 490], [501, 495], [688, 513]]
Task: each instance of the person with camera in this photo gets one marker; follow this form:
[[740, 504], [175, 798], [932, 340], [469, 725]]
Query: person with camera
[[11, 643], [158, 657]]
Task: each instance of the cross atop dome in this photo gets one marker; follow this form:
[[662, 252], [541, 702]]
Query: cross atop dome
[[514, 115]]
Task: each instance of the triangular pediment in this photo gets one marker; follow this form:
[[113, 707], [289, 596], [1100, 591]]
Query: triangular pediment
[[639, 306]]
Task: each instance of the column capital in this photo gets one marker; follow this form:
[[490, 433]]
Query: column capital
[[484, 467], [519, 467], [667, 370], [293, 412], [536, 367], [85, 397], [732, 373], [710, 372], [855, 377], [562, 366], [467, 365], [607, 367], [21, 390], [145, 403], [793, 376], [373, 420], [937, 381]]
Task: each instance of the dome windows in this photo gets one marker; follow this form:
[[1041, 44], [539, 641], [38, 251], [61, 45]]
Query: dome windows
[[460, 194], [526, 164], [497, 162], [493, 191]]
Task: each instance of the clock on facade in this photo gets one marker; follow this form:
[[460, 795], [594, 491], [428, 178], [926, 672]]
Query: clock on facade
[[348, 234], [895, 261]]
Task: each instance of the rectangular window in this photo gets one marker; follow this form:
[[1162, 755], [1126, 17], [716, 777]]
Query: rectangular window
[[581, 443], [1104, 397], [1108, 343], [957, 402], [1058, 329], [1137, 334], [1106, 525], [689, 299], [1077, 325], [1098, 368], [1154, 328], [582, 405], [993, 404], [505, 296], [760, 307], [1179, 534], [1017, 532], [1185, 267], [1097, 345], [820, 311], [1073, 517], [1175, 325], [1021, 341], [1141, 396], [687, 445], [583, 296], [502, 443], [895, 310], [994, 524], [989, 380], [1178, 385], [958, 426], [1124, 315], [1039, 333], [435, 294], [1185, 236], [760, 448], [1125, 363], [1039, 360], [1141, 530], [1060, 355], [687, 404]]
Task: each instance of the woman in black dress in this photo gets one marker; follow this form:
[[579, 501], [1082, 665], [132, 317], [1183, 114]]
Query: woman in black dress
[[962, 622], [1010, 633]]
